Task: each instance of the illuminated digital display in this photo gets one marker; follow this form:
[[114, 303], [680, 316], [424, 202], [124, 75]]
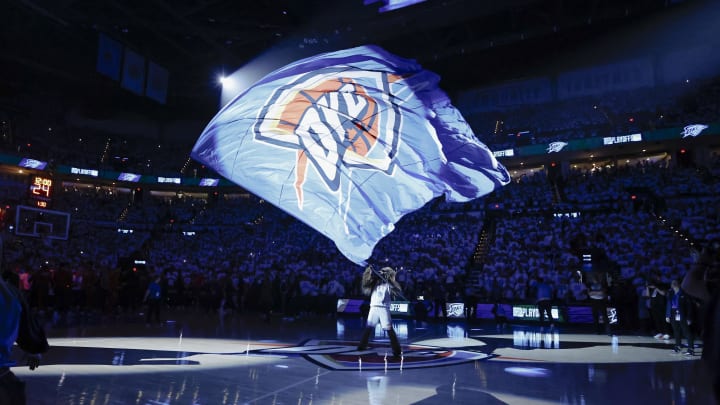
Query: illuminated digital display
[[693, 130], [129, 177], [532, 312], [84, 172], [504, 153], [32, 164], [455, 309], [556, 146], [613, 140], [390, 5], [173, 180], [209, 182], [41, 190]]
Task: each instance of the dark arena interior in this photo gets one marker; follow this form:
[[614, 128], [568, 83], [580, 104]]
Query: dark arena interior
[[606, 114]]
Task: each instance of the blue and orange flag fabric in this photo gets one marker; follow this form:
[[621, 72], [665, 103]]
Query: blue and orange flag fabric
[[349, 142]]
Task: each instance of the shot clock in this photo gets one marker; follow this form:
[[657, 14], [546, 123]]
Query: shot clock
[[41, 190]]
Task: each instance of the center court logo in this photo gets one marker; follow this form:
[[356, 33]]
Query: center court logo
[[342, 355], [331, 119]]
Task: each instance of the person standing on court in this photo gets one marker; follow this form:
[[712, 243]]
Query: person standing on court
[[544, 295], [379, 285], [680, 314]]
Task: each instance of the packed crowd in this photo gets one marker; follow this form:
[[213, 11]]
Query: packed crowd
[[240, 253], [224, 251], [237, 252]]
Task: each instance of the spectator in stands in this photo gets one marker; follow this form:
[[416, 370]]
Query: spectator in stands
[[578, 289], [333, 290]]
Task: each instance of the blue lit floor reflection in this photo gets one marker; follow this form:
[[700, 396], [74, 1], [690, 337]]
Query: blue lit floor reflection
[[246, 361]]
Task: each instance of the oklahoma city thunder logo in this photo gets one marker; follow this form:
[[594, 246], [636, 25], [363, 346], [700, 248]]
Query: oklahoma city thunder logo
[[335, 121], [342, 355]]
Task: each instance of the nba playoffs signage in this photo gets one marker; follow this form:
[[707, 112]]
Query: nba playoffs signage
[[400, 307], [614, 140], [532, 313], [504, 153], [354, 306]]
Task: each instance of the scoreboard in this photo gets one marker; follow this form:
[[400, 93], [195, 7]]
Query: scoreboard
[[41, 190]]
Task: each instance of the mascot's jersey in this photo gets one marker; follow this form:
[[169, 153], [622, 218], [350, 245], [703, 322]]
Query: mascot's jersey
[[380, 296]]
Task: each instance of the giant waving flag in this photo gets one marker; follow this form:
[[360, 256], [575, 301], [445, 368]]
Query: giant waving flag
[[349, 142]]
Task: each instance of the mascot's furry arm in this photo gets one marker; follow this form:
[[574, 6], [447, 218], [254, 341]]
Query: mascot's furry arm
[[371, 278]]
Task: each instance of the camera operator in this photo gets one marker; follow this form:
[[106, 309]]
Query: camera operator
[[703, 283]]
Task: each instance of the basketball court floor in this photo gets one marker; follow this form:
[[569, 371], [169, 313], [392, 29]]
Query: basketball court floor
[[199, 359]]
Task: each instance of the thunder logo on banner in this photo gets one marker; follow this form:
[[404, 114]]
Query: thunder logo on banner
[[349, 142], [332, 122]]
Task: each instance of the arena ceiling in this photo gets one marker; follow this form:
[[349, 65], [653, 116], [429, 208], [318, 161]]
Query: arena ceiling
[[467, 41]]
